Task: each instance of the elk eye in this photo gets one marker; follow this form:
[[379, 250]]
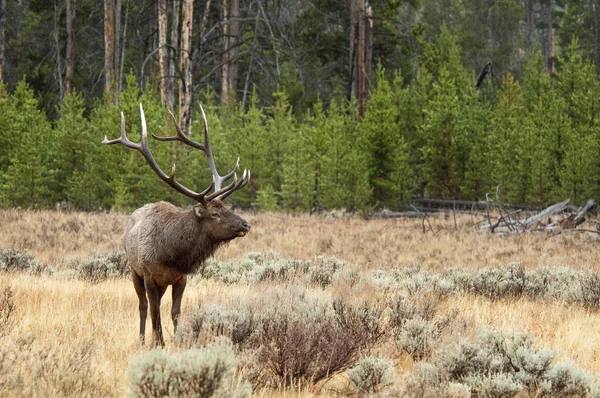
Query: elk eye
[[215, 215]]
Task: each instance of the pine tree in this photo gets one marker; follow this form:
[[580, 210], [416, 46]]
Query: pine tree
[[578, 87], [383, 144], [70, 145], [27, 178], [507, 125]]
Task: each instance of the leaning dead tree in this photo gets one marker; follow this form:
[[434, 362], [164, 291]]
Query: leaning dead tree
[[557, 217]]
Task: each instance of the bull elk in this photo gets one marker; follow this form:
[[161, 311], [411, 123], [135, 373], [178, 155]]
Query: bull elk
[[164, 244]]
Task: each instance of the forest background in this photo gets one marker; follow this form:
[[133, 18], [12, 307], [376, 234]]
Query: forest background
[[330, 103]]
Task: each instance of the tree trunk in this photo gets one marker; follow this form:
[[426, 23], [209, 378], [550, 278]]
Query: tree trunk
[[117, 45], [2, 40], [57, 52], [70, 67], [361, 44], [109, 40], [123, 45], [231, 33], [550, 37], [163, 51], [225, 61], [185, 88], [173, 55]]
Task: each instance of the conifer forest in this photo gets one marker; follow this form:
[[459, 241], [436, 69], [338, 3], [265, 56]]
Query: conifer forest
[[331, 104]]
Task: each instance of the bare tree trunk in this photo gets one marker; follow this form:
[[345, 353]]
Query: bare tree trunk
[[173, 55], [530, 27], [2, 40], [225, 67], [70, 67], [109, 41], [368, 48], [57, 52], [231, 33], [185, 89], [117, 48], [358, 42], [491, 32], [550, 37], [163, 52], [123, 45]]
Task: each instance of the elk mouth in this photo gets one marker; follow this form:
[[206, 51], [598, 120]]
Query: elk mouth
[[243, 229]]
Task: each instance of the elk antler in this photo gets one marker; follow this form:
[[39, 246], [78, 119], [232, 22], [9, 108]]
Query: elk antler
[[220, 193]]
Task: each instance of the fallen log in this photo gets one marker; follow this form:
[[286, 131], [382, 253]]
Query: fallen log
[[557, 208], [575, 220]]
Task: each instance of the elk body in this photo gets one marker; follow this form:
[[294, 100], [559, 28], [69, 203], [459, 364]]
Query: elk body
[[163, 243]]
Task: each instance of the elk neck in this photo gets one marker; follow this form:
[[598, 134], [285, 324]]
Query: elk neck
[[191, 242]]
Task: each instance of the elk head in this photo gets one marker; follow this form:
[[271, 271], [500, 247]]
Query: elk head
[[223, 223]]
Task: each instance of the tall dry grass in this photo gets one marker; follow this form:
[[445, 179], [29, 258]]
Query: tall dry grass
[[90, 330]]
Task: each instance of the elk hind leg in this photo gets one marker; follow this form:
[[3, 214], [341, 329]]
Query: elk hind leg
[[155, 293], [178, 289], [140, 289]]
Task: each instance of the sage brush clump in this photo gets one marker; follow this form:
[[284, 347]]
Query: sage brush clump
[[563, 284], [272, 266], [498, 365], [205, 372], [372, 374], [14, 260], [102, 266], [415, 325]]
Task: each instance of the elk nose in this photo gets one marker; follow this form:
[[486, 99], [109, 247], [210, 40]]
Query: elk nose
[[246, 225]]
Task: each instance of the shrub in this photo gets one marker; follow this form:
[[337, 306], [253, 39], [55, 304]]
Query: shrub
[[324, 270], [102, 266], [499, 365], [238, 324], [14, 260], [415, 327], [308, 343], [205, 372], [371, 374]]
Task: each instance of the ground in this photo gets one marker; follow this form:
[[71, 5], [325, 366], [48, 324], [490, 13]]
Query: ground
[[62, 316]]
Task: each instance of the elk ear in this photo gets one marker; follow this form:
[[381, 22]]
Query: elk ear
[[200, 210]]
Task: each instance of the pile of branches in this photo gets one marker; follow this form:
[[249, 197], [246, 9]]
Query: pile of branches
[[556, 218]]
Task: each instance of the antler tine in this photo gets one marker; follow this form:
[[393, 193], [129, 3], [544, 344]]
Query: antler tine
[[180, 136], [145, 150], [218, 179], [123, 138], [231, 188]]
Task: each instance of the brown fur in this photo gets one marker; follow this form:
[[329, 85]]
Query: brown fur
[[164, 244]]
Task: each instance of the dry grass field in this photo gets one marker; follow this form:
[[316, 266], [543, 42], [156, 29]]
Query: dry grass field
[[68, 336]]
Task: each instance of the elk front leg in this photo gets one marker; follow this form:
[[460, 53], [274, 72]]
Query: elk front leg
[[140, 289], [155, 293], [178, 289]]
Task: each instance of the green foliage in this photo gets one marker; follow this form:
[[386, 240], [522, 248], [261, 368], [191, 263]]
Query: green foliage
[[27, 179], [383, 144]]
